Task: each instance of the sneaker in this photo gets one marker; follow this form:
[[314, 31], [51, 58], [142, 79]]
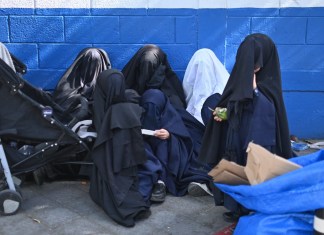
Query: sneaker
[[198, 190], [159, 192]]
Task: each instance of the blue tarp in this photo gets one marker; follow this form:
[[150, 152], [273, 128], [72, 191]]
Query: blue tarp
[[284, 204]]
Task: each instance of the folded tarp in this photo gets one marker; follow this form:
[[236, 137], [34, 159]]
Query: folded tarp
[[283, 200], [277, 224]]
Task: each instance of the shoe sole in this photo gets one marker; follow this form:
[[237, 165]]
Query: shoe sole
[[196, 190], [157, 199]]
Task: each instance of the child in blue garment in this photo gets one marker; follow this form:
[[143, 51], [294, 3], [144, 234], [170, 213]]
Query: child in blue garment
[[148, 69], [255, 112], [171, 163]]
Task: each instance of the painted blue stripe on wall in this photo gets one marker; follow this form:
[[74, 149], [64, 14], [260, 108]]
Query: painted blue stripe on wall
[[48, 40]]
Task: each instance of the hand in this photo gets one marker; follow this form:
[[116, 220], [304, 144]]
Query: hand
[[218, 119], [162, 134], [215, 113]]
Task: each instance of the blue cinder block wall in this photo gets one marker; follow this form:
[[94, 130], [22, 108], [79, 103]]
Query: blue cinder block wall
[[47, 36]]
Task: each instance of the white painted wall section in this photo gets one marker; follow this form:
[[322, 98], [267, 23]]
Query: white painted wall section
[[174, 4]]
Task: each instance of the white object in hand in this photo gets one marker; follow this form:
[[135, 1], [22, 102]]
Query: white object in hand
[[148, 132]]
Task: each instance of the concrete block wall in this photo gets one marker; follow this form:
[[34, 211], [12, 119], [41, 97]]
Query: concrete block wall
[[47, 36]]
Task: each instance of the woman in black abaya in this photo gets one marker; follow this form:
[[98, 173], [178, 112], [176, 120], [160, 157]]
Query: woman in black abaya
[[74, 94], [117, 152], [80, 79], [255, 111]]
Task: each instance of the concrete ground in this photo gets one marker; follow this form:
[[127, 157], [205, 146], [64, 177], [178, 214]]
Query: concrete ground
[[65, 207]]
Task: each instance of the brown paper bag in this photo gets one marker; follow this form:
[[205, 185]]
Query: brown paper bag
[[226, 177], [227, 172], [263, 165]]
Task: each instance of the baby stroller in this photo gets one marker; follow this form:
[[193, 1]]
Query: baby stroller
[[32, 133]]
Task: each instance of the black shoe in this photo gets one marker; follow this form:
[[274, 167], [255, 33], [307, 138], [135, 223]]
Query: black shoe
[[159, 192], [231, 217]]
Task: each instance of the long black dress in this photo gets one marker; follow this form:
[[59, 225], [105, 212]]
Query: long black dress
[[253, 115], [117, 151]]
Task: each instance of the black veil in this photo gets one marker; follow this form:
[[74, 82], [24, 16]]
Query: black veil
[[80, 78], [149, 69]]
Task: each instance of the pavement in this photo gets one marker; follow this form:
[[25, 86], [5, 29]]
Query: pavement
[[65, 207]]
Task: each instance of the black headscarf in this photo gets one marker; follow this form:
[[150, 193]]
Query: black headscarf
[[80, 78], [256, 51], [149, 69], [110, 90]]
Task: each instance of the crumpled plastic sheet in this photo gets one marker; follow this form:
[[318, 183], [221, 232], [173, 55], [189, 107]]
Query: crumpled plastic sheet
[[284, 204]]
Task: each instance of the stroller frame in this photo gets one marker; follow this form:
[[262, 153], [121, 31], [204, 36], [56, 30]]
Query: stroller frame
[[63, 139], [11, 197]]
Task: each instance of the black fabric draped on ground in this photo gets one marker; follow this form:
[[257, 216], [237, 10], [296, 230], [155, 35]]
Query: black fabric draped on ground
[[117, 151]]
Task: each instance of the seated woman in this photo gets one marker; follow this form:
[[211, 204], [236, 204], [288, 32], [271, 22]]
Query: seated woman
[[205, 75], [171, 161], [149, 69], [117, 152], [255, 112], [74, 95], [80, 79]]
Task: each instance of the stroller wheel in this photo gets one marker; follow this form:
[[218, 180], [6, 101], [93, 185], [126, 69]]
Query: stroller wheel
[[10, 202], [4, 186]]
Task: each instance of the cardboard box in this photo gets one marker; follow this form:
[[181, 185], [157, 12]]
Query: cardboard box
[[261, 165]]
